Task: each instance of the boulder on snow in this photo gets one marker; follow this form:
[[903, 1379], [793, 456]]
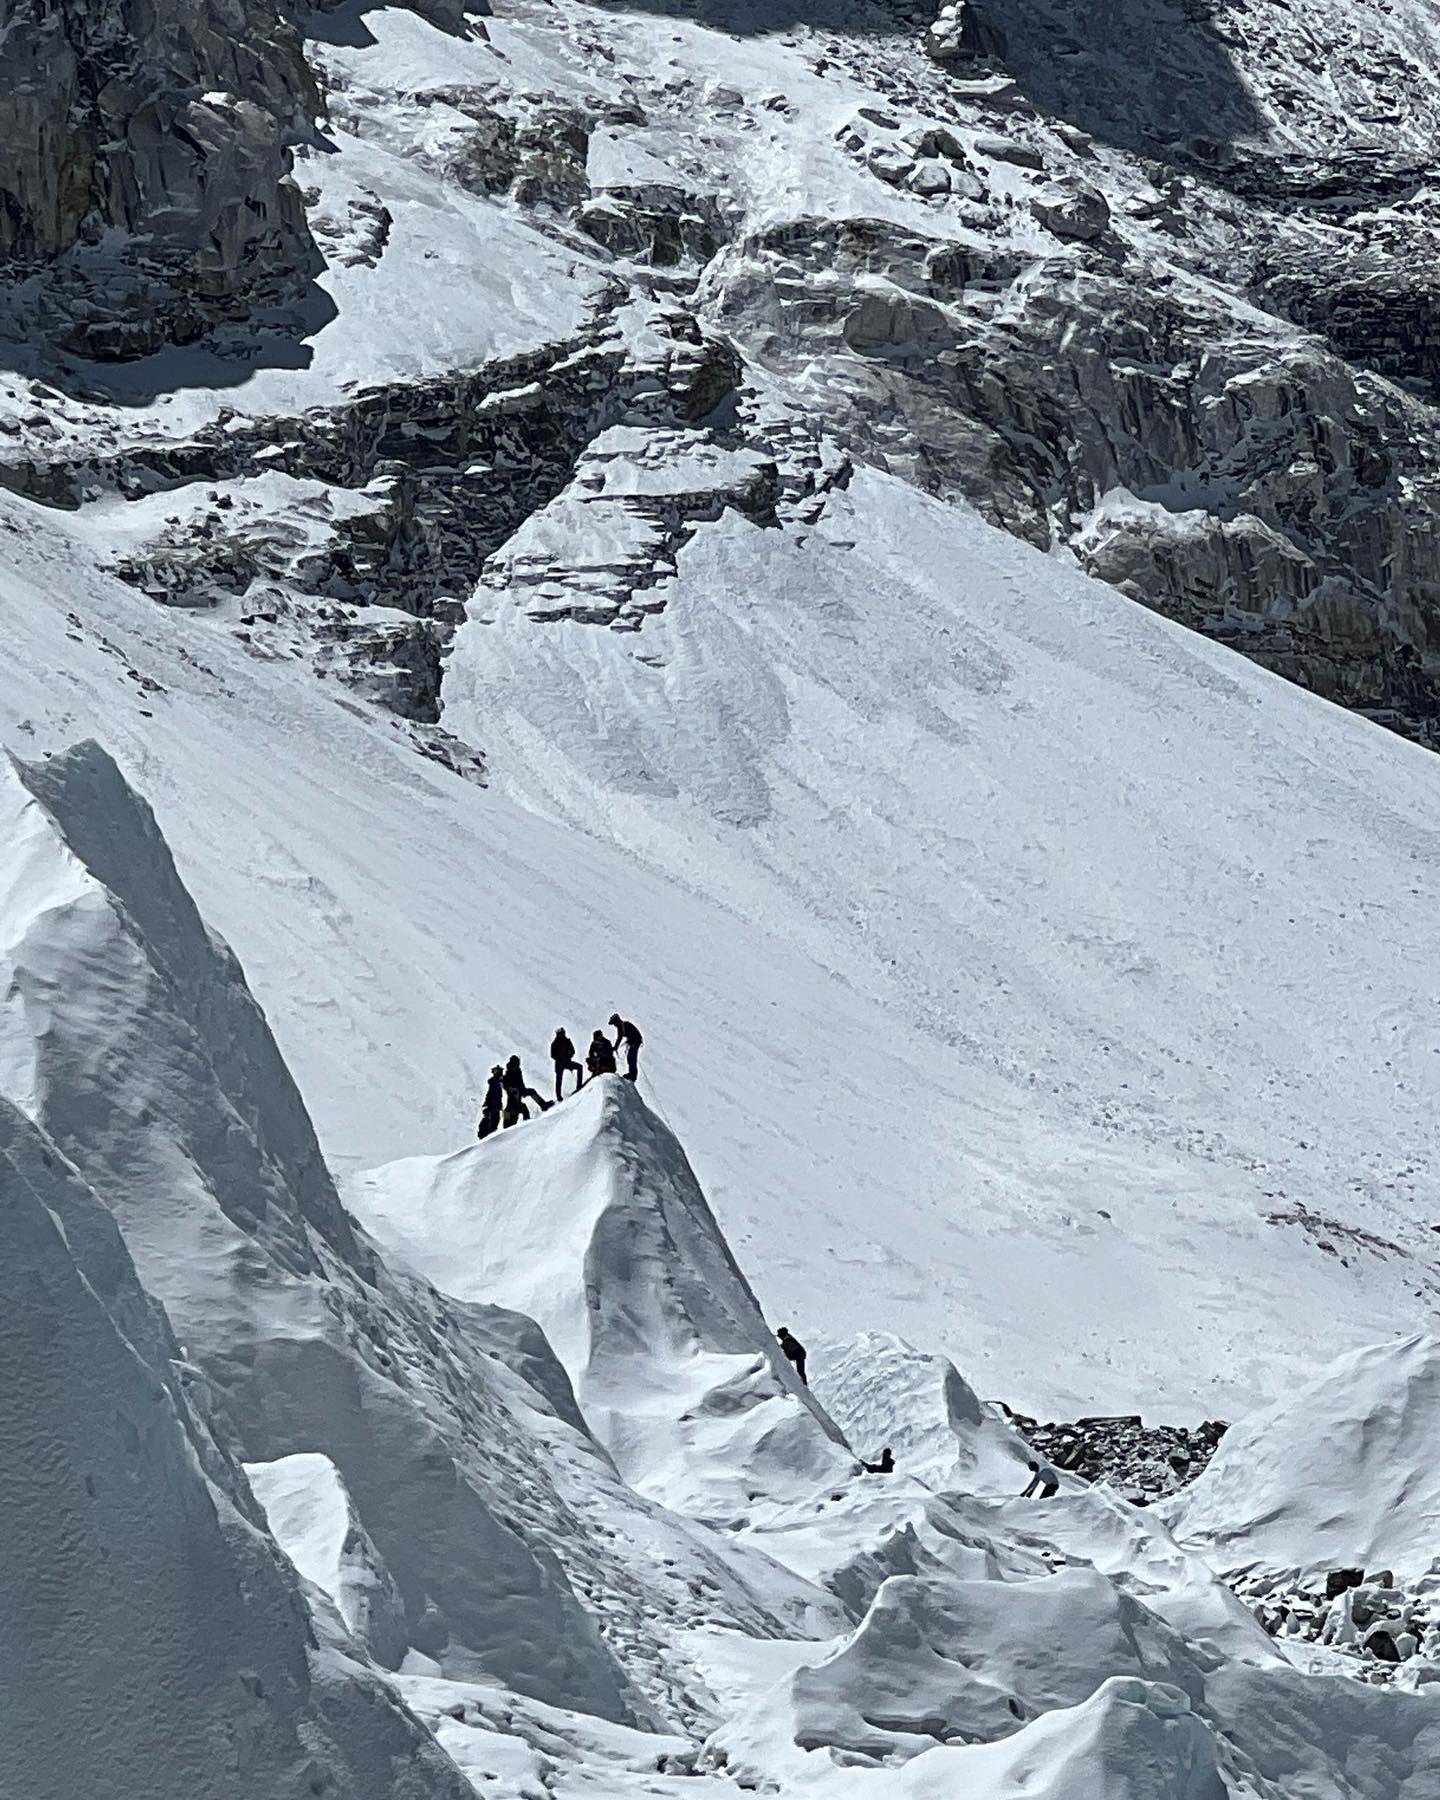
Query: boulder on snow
[[1076, 212]]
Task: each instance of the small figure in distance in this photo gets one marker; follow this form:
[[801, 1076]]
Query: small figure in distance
[[517, 1093], [794, 1352], [600, 1057], [627, 1038], [1043, 1481], [493, 1102], [885, 1466], [562, 1054]]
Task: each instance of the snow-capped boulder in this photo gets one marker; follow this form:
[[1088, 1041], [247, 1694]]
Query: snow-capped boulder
[[937, 1659], [1339, 1474], [128, 1033], [1078, 212], [152, 1640], [591, 1221]]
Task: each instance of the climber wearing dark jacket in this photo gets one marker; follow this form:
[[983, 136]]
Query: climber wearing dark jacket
[[517, 1093], [794, 1351], [628, 1039], [885, 1466], [494, 1101], [600, 1057], [562, 1054], [1043, 1481]]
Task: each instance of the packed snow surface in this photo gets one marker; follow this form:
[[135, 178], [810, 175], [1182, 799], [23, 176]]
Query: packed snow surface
[[592, 1223], [1338, 1474]]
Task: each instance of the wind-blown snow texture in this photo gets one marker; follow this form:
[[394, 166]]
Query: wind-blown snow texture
[[590, 592]]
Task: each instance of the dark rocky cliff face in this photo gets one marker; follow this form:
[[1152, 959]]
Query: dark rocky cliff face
[[145, 191]]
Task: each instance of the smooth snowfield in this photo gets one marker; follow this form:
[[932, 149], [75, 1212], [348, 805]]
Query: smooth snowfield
[[1051, 993]]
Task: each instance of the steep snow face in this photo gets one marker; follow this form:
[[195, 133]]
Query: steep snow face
[[131, 1034], [591, 1221], [151, 1643], [1341, 1473], [313, 1519]]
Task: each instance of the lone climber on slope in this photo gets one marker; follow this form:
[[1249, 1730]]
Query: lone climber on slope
[[794, 1352], [1043, 1481]]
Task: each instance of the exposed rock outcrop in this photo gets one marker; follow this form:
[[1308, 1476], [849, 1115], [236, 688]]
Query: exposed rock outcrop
[[146, 190]]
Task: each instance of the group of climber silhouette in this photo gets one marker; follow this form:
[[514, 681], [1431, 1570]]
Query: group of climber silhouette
[[507, 1089]]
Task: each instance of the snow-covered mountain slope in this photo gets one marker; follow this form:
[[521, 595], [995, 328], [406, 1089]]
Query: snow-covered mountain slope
[[1121, 927], [422, 1461]]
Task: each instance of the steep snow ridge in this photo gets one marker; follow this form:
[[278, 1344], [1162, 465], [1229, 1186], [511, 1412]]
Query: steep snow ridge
[[446, 1432], [147, 1043], [1341, 1473], [591, 1221], [152, 1643], [155, 1071]]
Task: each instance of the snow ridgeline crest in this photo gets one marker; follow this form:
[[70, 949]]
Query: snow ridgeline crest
[[136, 1064], [591, 1222]]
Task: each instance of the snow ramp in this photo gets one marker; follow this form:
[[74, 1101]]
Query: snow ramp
[[590, 1220]]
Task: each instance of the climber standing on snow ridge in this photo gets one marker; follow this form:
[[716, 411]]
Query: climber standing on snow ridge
[[493, 1102], [794, 1352], [600, 1057], [628, 1038], [562, 1054], [517, 1093]]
